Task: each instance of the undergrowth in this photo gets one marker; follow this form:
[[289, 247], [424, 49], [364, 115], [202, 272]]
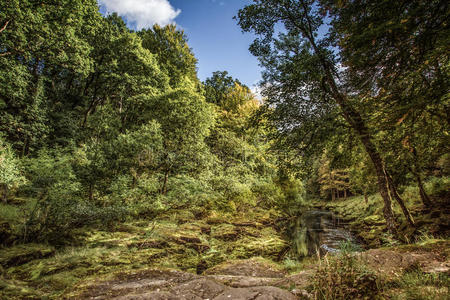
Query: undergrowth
[[421, 286], [345, 276]]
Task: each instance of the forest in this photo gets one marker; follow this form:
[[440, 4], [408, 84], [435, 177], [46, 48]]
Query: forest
[[124, 176]]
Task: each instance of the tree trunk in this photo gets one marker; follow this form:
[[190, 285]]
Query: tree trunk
[[164, 187], [423, 195], [4, 193], [366, 198], [399, 200], [345, 194], [333, 197], [355, 120], [91, 193]]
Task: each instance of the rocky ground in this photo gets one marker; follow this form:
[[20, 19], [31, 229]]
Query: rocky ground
[[255, 278], [216, 257]]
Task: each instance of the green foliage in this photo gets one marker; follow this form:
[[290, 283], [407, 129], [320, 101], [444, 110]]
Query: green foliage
[[60, 207], [345, 277], [348, 247], [10, 171]]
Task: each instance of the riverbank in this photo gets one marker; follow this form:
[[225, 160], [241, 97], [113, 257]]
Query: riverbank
[[218, 255], [365, 219]]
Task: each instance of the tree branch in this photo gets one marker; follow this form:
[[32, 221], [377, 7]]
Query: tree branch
[[4, 26]]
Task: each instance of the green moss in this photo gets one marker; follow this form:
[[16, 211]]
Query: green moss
[[22, 254], [373, 220], [190, 246], [226, 232]]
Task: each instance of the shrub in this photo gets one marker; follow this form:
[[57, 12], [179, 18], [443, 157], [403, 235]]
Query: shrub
[[344, 276], [59, 205]]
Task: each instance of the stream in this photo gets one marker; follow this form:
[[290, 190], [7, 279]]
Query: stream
[[319, 231]]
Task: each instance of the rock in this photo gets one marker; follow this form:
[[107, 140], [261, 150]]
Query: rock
[[394, 262], [171, 284], [248, 267], [203, 288], [301, 280], [244, 281], [256, 293], [302, 294], [158, 295]]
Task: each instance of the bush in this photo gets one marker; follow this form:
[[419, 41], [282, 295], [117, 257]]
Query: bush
[[59, 205], [344, 277]]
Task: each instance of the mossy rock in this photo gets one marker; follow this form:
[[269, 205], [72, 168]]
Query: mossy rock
[[266, 247], [184, 238], [256, 266], [225, 232], [374, 220], [216, 218], [22, 254]]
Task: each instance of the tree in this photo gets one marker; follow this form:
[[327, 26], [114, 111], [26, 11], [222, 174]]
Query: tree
[[36, 35], [332, 181], [175, 58], [10, 172], [396, 56], [301, 65]]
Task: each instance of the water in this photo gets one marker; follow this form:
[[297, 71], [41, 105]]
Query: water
[[319, 231]]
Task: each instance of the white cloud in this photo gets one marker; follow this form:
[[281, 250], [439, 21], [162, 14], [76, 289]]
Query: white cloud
[[142, 13]]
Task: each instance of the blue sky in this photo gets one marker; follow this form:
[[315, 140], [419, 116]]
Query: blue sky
[[214, 36]]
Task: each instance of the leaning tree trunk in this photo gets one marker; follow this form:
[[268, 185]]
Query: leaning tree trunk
[[355, 120], [357, 123], [423, 195], [399, 200]]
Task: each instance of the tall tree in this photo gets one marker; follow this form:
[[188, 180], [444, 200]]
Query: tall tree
[[396, 55], [301, 65]]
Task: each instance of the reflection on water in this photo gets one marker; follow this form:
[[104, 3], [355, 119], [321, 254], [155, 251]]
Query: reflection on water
[[318, 231]]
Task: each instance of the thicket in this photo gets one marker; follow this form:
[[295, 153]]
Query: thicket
[[100, 123]]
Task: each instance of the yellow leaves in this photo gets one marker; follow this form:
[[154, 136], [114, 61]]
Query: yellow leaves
[[402, 21]]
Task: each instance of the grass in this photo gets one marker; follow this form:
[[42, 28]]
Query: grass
[[420, 286]]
